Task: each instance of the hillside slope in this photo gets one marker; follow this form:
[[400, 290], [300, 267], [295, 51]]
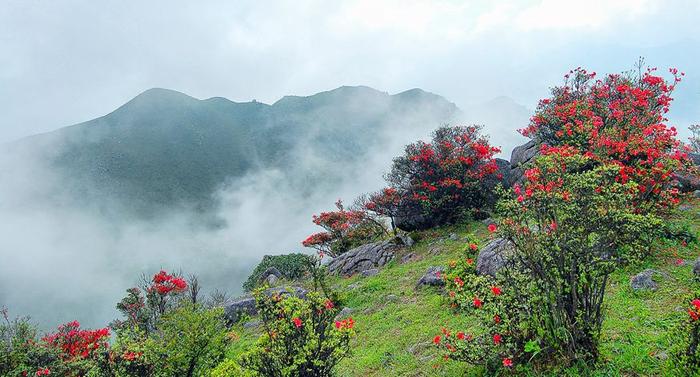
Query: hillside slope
[[164, 148], [395, 322]]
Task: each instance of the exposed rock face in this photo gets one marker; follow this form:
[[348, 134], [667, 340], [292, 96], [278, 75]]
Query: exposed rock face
[[645, 280], [366, 257], [493, 256], [412, 220], [432, 277], [271, 276], [370, 272], [246, 304], [520, 156]]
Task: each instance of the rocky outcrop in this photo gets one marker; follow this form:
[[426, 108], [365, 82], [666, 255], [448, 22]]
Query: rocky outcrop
[[520, 156], [645, 280], [271, 276], [367, 257], [432, 277], [245, 305], [493, 256]]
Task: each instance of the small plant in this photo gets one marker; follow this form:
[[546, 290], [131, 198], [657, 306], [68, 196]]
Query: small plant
[[686, 339], [301, 335]]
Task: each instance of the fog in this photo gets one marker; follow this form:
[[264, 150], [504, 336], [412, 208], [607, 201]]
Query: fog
[[64, 260]]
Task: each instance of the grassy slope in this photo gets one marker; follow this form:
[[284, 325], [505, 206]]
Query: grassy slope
[[394, 333]]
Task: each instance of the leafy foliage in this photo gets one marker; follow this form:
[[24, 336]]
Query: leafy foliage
[[301, 336], [292, 266], [685, 338]]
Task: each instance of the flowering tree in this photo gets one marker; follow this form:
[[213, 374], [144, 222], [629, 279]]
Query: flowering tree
[[442, 179], [385, 203], [617, 120], [343, 229]]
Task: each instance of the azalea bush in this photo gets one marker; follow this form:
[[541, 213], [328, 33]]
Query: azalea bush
[[301, 336], [343, 230], [685, 339], [383, 204], [443, 180], [497, 342], [619, 120]]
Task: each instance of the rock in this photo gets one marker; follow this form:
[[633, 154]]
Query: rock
[[392, 298], [345, 312], [685, 207], [408, 257], [412, 219], [252, 324], [405, 239], [644, 280], [364, 257], [271, 271], [271, 280], [687, 182], [696, 193], [501, 176], [234, 310], [453, 236], [432, 277], [520, 156], [246, 304], [493, 256], [353, 286], [696, 268], [370, 272], [435, 250], [488, 221], [418, 348]]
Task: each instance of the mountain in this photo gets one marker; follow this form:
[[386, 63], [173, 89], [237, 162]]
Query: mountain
[[164, 148], [501, 116]]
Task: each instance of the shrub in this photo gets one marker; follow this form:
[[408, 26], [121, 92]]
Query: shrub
[[292, 266], [385, 203], [343, 229], [617, 120], [443, 179], [301, 336], [686, 339], [571, 226]]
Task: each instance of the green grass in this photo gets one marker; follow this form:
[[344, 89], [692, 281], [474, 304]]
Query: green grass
[[396, 322]]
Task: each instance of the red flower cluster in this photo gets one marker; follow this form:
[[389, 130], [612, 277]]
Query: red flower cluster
[[618, 120], [76, 343], [340, 226], [297, 322], [345, 324], [163, 283], [694, 310], [43, 372]]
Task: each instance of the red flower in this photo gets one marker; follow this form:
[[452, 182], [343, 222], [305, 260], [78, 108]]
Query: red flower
[[492, 228], [507, 362], [496, 291], [497, 318], [460, 335], [437, 339], [497, 339], [473, 246], [329, 304], [297, 322], [477, 302]]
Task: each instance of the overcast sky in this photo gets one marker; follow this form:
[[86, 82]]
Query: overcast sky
[[63, 62]]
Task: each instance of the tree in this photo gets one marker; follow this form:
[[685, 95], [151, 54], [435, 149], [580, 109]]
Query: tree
[[444, 179], [385, 203], [343, 229]]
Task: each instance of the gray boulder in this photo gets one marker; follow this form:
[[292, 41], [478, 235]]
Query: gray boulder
[[234, 310], [645, 280], [271, 275], [365, 257], [493, 256], [696, 193], [408, 257], [432, 277], [520, 156], [696, 268], [370, 272], [344, 313]]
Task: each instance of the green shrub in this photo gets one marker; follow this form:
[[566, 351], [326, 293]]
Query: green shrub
[[685, 338], [292, 266], [301, 336]]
